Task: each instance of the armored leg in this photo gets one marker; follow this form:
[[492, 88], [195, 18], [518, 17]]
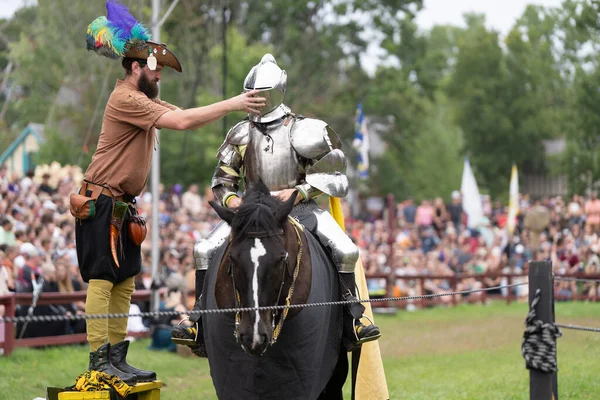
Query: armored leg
[[345, 255], [204, 251], [355, 332]]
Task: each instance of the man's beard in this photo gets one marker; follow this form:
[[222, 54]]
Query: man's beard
[[147, 87]]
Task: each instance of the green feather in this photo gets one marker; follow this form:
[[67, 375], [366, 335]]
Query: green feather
[[139, 32], [118, 44], [97, 25]]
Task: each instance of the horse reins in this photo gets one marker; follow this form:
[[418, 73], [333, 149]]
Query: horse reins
[[288, 300]]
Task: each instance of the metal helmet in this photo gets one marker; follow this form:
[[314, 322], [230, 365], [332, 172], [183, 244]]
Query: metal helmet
[[271, 80]]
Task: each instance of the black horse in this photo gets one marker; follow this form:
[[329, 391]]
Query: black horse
[[271, 259]]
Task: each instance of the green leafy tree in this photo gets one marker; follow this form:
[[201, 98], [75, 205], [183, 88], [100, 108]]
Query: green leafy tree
[[433, 167]]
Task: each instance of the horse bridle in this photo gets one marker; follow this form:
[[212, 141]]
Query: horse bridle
[[236, 295]]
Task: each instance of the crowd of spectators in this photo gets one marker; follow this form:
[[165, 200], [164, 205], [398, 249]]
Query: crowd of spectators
[[37, 241], [432, 238]]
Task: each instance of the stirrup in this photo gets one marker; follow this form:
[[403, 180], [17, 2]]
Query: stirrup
[[184, 341], [360, 341]]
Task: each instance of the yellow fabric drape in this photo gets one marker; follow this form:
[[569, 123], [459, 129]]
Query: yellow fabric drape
[[94, 381], [370, 380]]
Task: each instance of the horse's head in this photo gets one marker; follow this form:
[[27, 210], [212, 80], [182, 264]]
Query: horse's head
[[258, 260]]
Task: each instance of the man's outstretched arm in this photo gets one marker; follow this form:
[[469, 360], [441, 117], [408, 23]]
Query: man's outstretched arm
[[198, 117]]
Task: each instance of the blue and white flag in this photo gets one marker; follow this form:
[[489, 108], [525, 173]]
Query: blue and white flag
[[361, 142]]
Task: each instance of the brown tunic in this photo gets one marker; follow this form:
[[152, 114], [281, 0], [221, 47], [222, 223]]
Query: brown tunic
[[122, 158]]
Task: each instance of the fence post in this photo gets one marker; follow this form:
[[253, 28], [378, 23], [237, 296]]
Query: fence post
[[542, 385], [454, 281], [389, 289], [9, 327], [422, 287], [508, 291]]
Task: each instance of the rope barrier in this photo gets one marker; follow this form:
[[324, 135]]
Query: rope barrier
[[578, 328], [54, 318]]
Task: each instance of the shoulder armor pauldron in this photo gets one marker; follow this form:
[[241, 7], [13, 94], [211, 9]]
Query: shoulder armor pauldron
[[239, 134], [313, 138]]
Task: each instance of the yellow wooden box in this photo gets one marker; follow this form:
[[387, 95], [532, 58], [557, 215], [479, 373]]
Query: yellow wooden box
[[141, 391]]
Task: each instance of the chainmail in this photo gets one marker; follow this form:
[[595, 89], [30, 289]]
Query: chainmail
[[539, 341]]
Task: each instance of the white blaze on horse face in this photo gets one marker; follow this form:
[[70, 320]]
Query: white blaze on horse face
[[255, 253]]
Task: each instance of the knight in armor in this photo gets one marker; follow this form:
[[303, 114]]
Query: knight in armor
[[292, 155]]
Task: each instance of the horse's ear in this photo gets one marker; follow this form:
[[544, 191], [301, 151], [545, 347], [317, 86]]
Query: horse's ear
[[284, 209], [226, 214]]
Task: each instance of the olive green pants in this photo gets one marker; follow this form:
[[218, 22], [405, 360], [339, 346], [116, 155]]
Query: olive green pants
[[104, 297]]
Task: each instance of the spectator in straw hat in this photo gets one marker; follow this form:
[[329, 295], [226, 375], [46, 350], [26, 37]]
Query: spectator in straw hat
[[536, 221]]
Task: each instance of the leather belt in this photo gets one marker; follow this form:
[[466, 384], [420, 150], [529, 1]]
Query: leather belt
[[105, 191], [93, 187]]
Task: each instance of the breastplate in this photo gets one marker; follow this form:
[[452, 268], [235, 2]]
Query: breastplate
[[271, 157]]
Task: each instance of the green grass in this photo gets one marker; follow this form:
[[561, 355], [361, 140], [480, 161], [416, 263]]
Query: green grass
[[465, 352]]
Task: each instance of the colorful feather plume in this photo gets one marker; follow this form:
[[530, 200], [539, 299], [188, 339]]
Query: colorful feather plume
[[112, 36]]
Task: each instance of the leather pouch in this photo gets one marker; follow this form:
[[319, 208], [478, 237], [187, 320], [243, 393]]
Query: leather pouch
[[136, 228], [84, 207]]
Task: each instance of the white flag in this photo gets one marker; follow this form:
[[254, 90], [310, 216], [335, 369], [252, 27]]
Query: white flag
[[513, 203], [471, 200]]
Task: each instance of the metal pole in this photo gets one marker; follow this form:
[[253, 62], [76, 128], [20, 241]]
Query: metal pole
[[155, 178], [224, 35], [542, 385]]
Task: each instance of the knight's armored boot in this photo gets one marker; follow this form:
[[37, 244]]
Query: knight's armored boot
[[193, 336], [355, 332], [100, 361], [118, 358]]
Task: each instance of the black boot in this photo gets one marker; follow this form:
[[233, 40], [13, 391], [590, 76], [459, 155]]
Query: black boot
[[193, 336], [118, 358], [355, 332], [100, 361]]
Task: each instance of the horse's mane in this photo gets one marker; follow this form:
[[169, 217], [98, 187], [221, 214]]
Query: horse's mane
[[256, 213]]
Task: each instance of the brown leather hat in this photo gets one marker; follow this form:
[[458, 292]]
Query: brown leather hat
[[163, 55]]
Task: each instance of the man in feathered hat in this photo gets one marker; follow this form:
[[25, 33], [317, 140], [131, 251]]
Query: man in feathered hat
[[108, 230]]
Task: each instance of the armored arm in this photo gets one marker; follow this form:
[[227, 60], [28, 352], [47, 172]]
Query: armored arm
[[227, 176], [307, 191], [325, 167]]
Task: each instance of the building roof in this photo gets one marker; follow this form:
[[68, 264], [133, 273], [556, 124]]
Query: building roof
[[37, 130]]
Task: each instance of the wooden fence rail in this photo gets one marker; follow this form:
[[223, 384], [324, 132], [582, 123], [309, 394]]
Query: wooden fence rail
[[11, 301], [390, 284]]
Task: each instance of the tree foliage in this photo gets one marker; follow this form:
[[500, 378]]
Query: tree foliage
[[441, 94]]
